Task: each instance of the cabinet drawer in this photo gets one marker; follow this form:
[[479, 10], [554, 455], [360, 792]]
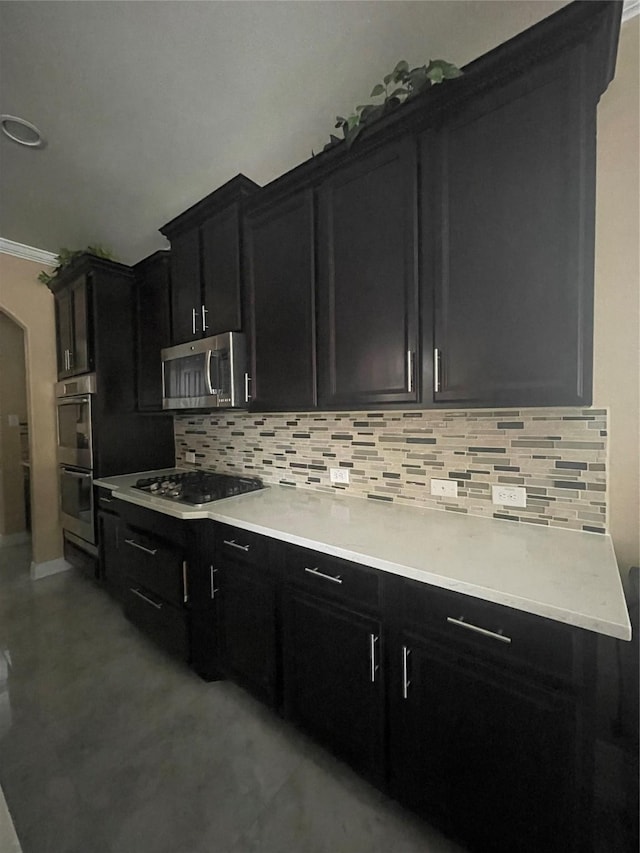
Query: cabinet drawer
[[154, 564], [165, 625], [241, 545], [333, 578], [488, 630]]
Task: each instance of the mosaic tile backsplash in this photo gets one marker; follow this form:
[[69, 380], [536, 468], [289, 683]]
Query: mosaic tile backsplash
[[558, 455]]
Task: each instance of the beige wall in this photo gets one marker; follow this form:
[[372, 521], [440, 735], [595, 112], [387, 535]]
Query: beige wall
[[617, 307], [13, 412], [30, 304]]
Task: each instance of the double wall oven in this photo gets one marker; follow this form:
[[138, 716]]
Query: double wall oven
[[74, 398]]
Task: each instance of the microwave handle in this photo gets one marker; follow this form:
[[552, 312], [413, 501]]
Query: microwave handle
[[207, 374]]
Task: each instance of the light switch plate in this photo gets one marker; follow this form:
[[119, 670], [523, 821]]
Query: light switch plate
[[444, 488], [190, 456], [509, 495], [339, 475]]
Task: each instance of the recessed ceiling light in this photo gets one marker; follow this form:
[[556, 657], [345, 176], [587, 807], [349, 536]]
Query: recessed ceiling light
[[21, 131]]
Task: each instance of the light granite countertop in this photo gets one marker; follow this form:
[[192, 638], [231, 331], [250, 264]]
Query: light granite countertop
[[565, 575]]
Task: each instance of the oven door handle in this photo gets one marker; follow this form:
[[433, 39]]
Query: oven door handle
[[79, 474], [72, 401]]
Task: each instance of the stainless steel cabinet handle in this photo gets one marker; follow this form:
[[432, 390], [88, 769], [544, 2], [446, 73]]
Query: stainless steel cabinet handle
[[152, 551], [70, 359], [436, 370], [502, 638], [233, 544], [66, 359], [144, 598], [214, 588], [373, 639], [193, 320], [318, 574], [185, 585], [204, 319], [409, 371], [406, 681], [247, 380]]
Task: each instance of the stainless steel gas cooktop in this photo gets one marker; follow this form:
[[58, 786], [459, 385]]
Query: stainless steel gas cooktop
[[198, 487]]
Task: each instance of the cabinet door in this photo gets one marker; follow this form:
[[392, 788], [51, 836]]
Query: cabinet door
[[153, 330], [333, 679], [220, 237], [508, 189], [109, 537], [486, 756], [368, 293], [81, 354], [64, 332], [281, 279], [245, 599], [186, 299]]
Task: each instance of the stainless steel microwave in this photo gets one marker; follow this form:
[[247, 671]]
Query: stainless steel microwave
[[206, 374]]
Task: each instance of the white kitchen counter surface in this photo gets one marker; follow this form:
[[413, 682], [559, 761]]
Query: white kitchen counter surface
[[561, 574]]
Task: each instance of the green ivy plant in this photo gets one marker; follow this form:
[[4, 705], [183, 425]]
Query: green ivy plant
[[67, 256], [402, 84]]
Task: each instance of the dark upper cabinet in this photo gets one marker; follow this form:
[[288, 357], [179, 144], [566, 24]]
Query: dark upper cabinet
[[221, 291], [280, 269], [186, 296], [153, 327], [508, 190], [74, 328], [368, 280], [206, 268]]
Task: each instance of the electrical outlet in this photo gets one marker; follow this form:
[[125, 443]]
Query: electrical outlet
[[190, 456], [339, 475], [509, 495], [444, 488]]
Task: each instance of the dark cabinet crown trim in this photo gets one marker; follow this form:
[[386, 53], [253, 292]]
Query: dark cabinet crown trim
[[84, 264], [234, 190]]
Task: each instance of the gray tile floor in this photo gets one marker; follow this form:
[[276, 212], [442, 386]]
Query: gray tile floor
[[109, 746]]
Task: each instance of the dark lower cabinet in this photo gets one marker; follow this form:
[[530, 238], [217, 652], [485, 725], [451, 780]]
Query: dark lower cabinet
[[246, 614], [245, 605], [333, 679], [487, 755], [155, 561], [110, 558]]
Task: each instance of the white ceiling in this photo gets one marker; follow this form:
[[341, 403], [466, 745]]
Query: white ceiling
[[149, 106]]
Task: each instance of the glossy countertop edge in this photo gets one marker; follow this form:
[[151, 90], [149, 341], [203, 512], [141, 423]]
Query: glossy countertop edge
[[565, 575]]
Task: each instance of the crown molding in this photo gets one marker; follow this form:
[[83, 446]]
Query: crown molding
[[29, 253], [630, 9]]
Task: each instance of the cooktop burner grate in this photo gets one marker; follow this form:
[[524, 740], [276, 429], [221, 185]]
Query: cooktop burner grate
[[198, 487]]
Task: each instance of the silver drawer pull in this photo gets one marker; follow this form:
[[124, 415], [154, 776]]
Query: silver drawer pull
[[406, 681], [106, 500], [234, 544], [485, 633], [144, 598], [152, 551], [319, 574], [214, 588], [373, 639]]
